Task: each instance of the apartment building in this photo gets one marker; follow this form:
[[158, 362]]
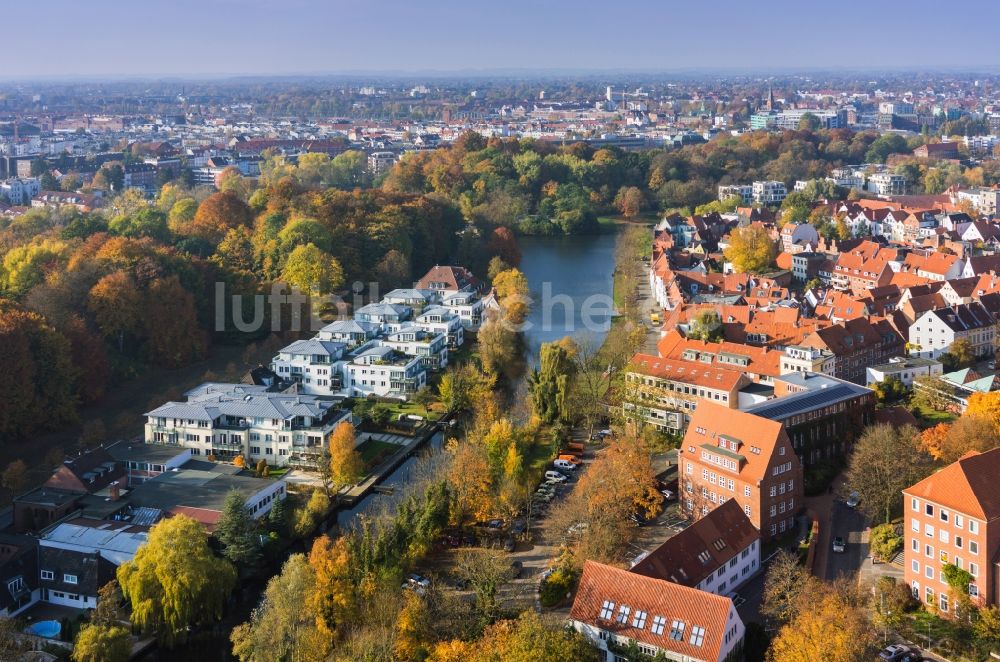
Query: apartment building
[[905, 369], [614, 607], [769, 192], [20, 190], [350, 332], [934, 332], [381, 370], [953, 517], [856, 344], [718, 553], [438, 319], [742, 191], [313, 364], [431, 348], [226, 420], [728, 454], [885, 183], [665, 392]]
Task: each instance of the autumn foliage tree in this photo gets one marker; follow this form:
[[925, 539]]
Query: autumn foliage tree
[[751, 249], [217, 214], [346, 465]]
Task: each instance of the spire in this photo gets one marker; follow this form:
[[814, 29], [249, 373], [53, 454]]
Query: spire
[[770, 97]]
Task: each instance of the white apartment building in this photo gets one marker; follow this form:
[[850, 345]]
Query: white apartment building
[[769, 192], [383, 313], [742, 191], [20, 190], [934, 332], [797, 358], [438, 319], [905, 369], [226, 420], [314, 364], [468, 306], [379, 162], [431, 348], [350, 332], [383, 371], [885, 183]]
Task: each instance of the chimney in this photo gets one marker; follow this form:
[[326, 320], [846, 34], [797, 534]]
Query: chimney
[[115, 491]]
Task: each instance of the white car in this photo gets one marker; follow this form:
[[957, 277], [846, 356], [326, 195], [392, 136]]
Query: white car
[[565, 465], [853, 500], [554, 477]]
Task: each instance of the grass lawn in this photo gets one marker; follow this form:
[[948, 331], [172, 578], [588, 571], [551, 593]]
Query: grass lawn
[[276, 472], [931, 417], [374, 452], [398, 408], [944, 633]]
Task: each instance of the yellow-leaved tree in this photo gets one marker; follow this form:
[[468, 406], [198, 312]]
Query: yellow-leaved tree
[[346, 464], [751, 249], [175, 580]]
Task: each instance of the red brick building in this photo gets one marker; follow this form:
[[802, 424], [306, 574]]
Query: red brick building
[[730, 454], [953, 517]]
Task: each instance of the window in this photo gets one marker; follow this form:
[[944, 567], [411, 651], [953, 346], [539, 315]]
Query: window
[[69, 579], [658, 623], [929, 572], [15, 585], [639, 620], [958, 521], [929, 594], [944, 515], [942, 535], [958, 542], [973, 547], [944, 601], [607, 609], [677, 630], [47, 574], [697, 636], [973, 591], [973, 526], [914, 505], [623, 612], [974, 569], [928, 530], [915, 565], [746, 509], [746, 491], [929, 510], [915, 525]]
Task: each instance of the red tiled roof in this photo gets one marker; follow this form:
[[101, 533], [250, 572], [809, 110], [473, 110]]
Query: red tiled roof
[[968, 485], [699, 550], [658, 598]]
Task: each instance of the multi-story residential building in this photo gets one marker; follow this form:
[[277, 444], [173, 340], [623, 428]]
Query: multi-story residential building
[[381, 370], [717, 554], [20, 190], [226, 420], [614, 607], [350, 332], [379, 162], [822, 415], [383, 313], [856, 344], [438, 319], [953, 517], [728, 454], [886, 183], [468, 305], [449, 280], [905, 369], [743, 191], [665, 392], [934, 332], [313, 364], [807, 359], [769, 192], [412, 297], [431, 348]]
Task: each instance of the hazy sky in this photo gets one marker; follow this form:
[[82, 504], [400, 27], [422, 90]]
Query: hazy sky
[[140, 37]]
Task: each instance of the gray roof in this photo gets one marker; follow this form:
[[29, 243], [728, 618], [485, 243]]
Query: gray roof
[[436, 310], [350, 326], [194, 489], [410, 294], [125, 451], [315, 348], [383, 309], [823, 391], [904, 364], [243, 401], [965, 317]]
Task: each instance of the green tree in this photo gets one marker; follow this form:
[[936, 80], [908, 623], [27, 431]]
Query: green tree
[[175, 581], [237, 532], [809, 122], [102, 643], [550, 382], [15, 477], [884, 541], [885, 461]]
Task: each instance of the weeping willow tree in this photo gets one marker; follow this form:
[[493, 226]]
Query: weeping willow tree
[[175, 581]]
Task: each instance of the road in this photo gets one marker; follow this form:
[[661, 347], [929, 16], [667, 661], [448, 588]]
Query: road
[[849, 524]]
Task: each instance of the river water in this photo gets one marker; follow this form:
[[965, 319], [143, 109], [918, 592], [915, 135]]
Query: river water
[[571, 281]]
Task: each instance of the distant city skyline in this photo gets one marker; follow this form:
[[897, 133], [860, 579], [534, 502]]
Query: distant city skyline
[[115, 38]]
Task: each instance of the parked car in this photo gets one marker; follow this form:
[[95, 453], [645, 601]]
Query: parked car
[[838, 545], [572, 459], [896, 652], [554, 476], [417, 583], [564, 464], [668, 494], [853, 499], [494, 524], [518, 526]]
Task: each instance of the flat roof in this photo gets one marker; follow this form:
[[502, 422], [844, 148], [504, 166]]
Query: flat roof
[[141, 452], [194, 488], [915, 362], [800, 403]]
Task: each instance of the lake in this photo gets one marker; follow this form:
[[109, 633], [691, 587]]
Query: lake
[[571, 281]]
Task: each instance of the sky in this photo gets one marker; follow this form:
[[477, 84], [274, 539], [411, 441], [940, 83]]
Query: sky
[[72, 38]]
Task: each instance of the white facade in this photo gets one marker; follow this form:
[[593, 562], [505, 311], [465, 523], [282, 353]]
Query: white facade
[[20, 190], [743, 191], [904, 369], [769, 192], [382, 371], [932, 334], [884, 183]]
